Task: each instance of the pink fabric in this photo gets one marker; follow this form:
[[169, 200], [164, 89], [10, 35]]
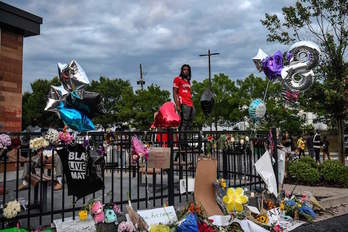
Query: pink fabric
[[139, 149]]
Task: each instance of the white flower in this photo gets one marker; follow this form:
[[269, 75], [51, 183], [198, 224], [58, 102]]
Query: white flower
[[52, 136], [38, 143], [12, 209]]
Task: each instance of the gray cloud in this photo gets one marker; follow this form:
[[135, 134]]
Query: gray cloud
[[112, 38]]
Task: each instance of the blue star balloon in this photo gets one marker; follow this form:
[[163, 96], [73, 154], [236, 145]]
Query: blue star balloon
[[75, 119]]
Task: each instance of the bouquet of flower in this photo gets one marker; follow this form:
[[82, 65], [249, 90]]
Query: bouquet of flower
[[220, 191], [295, 208], [52, 136], [139, 150], [5, 141], [12, 209], [126, 227], [211, 143], [65, 137], [38, 143]]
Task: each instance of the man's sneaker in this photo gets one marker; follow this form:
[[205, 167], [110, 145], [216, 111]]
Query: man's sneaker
[[23, 187], [58, 187]]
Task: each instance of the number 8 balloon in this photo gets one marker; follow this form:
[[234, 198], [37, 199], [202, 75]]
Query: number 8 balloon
[[303, 56]]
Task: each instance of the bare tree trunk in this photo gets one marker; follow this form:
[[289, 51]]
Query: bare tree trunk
[[340, 128]]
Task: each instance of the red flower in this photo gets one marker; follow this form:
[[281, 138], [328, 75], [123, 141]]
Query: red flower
[[210, 138], [204, 227]]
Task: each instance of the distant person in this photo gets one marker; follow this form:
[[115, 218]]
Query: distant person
[[326, 149], [300, 146], [183, 100], [309, 144], [317, 145], [287, 143]]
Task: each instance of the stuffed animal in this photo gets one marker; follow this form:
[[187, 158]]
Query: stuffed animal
[[110, 216], [97, 212]]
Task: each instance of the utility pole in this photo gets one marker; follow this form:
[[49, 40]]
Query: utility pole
[[141, 81], [209, 55]]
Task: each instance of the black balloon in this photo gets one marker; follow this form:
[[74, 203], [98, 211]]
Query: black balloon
[[90, 103], [207, 102]]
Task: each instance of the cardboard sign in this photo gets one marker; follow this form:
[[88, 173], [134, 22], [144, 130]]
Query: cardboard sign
[[165, 215], [204, 190], [190, 185], [159, 157]]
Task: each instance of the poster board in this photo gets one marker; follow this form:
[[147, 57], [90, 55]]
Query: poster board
[[159, 157], [204, 190], [164, 215]]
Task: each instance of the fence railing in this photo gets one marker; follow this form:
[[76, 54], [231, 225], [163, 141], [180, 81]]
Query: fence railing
[[235, 151]]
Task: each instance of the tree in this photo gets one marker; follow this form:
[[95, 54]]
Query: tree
[[119, 100], [325, 22], [147, 102], [33, 105], [225, 101], [277, 115], [231, 97]]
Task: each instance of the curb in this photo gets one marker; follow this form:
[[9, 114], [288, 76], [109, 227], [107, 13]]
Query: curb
[[334, 201]]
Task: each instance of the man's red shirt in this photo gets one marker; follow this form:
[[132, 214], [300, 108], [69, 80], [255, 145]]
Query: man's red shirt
[[184, 92]]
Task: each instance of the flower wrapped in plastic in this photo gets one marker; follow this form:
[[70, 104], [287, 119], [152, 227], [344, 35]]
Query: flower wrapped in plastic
[[12, 209], [235, 199], [65, 137], [52, 136], [220, 187], [139, 150], [5, 141], [126, 227], [38, 143]]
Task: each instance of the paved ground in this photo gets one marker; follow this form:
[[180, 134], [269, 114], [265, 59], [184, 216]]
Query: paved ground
[[336, 224]]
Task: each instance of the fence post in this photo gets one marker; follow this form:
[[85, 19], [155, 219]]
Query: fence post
[[275, 154], [171, 169], [225, 152]]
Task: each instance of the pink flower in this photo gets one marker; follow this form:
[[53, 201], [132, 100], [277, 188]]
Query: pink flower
[[126, 227]]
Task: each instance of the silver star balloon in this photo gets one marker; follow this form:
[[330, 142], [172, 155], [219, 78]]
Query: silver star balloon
[[72, 76], [51, 105], [258, 59]]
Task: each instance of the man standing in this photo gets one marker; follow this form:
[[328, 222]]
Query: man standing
[[183, 98], [317, 145], [309, 144]]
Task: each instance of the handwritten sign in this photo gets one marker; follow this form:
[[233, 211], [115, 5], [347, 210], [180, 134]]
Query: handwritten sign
[[273, 215], [159, 157], [165, 215]]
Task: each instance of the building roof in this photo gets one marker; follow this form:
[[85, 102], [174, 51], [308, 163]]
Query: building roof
[[19, 20]]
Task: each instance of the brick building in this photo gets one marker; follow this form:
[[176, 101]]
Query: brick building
[[15, 24]]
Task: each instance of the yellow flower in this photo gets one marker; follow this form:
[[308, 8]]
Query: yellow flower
[[159, 228], [83, 214], [262, 218], [222, 183], [281, 205], [234, 199]]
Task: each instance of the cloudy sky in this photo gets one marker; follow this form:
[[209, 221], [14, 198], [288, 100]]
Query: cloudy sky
[[112, 38]]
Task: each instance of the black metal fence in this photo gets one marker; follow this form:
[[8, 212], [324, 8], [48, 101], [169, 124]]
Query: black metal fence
[[235, 152]]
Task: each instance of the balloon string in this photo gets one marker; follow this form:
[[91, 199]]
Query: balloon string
[[264, 96]]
